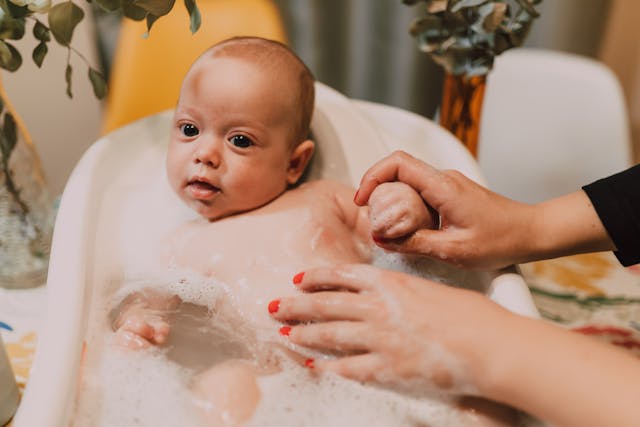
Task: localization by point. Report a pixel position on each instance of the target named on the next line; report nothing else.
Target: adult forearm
(565, 226)
(564, 378)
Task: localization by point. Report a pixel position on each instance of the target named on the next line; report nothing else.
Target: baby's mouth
(202, 190)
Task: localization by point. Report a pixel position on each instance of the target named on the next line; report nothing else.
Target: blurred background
(360, 47)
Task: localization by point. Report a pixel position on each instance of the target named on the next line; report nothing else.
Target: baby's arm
(396, 210)
(141, 319)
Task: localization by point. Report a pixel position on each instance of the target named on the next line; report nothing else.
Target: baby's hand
(139, 326)
(397, 210)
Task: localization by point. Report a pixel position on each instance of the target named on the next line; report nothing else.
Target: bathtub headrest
(346, 143)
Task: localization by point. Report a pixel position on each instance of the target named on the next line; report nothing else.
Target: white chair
(551, 122)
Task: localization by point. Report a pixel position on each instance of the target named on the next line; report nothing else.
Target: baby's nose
(208, 153)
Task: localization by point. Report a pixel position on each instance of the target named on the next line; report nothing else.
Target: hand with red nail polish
(412, 334)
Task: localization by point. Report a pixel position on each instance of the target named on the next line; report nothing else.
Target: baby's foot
(227, 394)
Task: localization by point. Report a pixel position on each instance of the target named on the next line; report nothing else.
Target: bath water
(153, 387)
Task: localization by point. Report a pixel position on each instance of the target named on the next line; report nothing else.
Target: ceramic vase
(461, 107)
(26, 211)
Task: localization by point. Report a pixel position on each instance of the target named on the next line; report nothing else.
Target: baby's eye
(241, 141)
(189, 130)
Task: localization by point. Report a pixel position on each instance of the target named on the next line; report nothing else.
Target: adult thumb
(426, 242)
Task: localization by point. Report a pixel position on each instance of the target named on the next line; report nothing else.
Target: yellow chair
(147, 73)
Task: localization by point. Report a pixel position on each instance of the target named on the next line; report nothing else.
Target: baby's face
(230, 141)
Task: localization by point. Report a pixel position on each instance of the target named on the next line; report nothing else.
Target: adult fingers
(323, 306)
(351, 277)
(431, 243)
(339, 336)
(400, 166)
(361, 367)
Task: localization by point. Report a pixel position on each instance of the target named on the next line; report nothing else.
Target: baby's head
(240, 132)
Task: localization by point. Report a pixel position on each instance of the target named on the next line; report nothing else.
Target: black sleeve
(616, 199)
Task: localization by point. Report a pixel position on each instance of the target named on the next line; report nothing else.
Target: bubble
(153, 387)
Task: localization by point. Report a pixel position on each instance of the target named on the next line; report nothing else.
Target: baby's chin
(218, 215)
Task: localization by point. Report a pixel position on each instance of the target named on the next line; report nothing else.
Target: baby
(239, 145)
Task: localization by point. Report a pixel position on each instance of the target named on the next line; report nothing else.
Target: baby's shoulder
(335, 194)
(328, 186)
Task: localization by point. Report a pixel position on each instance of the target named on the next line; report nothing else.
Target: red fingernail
(274, 306)
(309, 363)
(355, 196)
(297, 279)
(285, 331)
(380, 240)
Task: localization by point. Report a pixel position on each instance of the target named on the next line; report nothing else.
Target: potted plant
(26, 219)
(464, 37)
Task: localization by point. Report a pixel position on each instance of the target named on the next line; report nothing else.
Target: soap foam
(151, 387)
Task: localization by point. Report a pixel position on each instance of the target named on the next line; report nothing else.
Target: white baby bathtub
(351, 136)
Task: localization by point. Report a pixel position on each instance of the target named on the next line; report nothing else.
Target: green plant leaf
(39, 53)
(151, 19)
(63, 19)
(109, 5)
(12, 60)
(41, 32)
(527, 6)
(98, 82)
(155, 7)
(67, 76)
(5, 52)
(10, 135)
(12, 29)
(132, 11)
(194, 15)
(460, 4)
(17, 12)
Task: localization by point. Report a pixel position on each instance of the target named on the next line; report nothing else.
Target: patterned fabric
(591, 294)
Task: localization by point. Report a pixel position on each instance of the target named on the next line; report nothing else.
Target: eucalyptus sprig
(464, 36)
(61, 22)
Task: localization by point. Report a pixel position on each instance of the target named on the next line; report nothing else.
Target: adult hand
(394, 329)
(410, 333)
(478, 228)
(481, 229)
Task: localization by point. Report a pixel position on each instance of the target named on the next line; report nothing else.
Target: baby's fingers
(138, 325)
(154, 329)
(128, 339)
(160, 330)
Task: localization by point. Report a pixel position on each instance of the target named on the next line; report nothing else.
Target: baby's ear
(299, 160)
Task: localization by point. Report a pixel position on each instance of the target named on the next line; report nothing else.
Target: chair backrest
(147, 73)
(551, 122)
